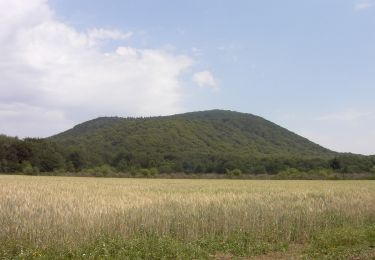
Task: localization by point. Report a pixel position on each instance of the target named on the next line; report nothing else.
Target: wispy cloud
(364, 5)
(98, 34)
(206, 79)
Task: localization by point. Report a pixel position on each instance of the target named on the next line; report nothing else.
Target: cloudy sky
(306, 65)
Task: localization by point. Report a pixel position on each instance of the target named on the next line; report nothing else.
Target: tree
(77, 159)
(27, 168)
(335, 164)
(145, 172)
(235, 172)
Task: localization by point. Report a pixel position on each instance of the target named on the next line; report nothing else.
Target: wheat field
(40, 216)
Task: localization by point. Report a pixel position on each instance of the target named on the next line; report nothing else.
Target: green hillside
(208, 140)
(214, 131)
(213, 141)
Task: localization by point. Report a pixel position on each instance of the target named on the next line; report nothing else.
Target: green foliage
(343, 243)
(133, 171)
(166, 167)
(145, 172)
(338, 243)
(70, 167)
(233, 173)
(291, 173)
(353, 163)
(149, 245)
(201, 142)
(36, 170)
(325, 174)
(335, 164)
(154, 171)
(27, 168)
(316, 174)
(39, 153)
(258, 169)
(76, 160)
(101, 171)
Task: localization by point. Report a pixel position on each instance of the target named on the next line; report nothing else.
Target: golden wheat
(51, 211)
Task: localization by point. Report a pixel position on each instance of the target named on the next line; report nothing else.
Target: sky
(308, 66)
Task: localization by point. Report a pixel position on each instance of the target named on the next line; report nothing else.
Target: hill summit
(198, 141)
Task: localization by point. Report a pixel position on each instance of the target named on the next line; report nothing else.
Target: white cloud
(364, 4)
(56, 76)
(205, 79)
(96, 35)
(127, 51)
(102, 34)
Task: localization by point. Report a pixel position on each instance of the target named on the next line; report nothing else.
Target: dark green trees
(29, 155)
(201, 142)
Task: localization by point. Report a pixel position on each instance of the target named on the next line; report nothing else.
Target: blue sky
(306, 65)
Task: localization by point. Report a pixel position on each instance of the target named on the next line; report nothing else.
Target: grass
(95, 218)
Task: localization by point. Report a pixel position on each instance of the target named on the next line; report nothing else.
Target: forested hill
(198, 141)
(213, 141)
(207, 132)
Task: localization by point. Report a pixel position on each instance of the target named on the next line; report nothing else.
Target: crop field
(96, 218)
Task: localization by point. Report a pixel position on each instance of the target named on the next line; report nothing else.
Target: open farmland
(63, 217)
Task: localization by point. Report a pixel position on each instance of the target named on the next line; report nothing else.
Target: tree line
(33, 156)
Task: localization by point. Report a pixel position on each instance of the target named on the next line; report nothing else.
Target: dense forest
(200, 142)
